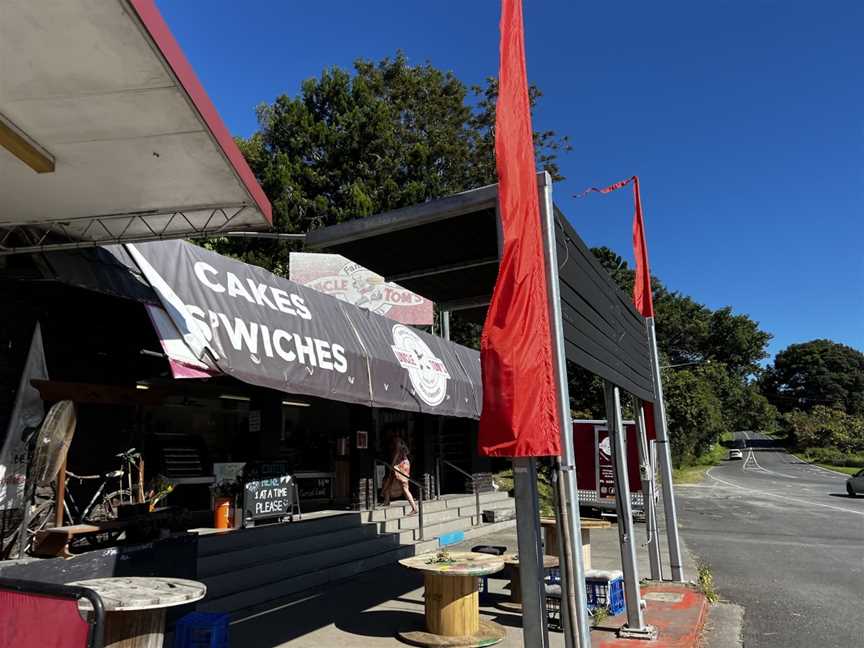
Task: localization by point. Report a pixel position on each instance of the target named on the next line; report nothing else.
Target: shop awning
(106, 134)
(447, 251)
(217, 315)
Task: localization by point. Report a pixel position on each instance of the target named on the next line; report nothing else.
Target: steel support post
(646, 472)
(635, 627)
(534, 631)
(445, 324)
(664, 456)
(572, 570)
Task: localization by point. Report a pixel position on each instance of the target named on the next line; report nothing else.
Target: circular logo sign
(428, 374)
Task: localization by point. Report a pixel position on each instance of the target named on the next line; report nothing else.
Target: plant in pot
(224, 496)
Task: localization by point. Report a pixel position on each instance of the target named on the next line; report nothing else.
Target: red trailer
(594, 468)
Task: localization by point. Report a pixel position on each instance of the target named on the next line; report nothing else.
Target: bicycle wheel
(41, 517)
(106, 508)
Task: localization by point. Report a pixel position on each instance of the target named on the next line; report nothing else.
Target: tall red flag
(520, 417)
(642, 296)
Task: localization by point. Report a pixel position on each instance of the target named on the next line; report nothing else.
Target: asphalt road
(785, 541)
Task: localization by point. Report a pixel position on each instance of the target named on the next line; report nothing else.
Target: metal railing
(417, 484)
(474, 485)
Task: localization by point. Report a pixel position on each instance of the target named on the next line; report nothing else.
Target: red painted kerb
(156, 26)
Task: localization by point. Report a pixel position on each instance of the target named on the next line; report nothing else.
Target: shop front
(312, 393)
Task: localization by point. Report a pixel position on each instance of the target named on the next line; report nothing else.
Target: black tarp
(265, 330)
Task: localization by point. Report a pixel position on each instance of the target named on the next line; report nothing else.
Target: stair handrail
(474, 484)
(419, 486)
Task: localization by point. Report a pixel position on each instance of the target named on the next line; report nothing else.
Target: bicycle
(101, 507)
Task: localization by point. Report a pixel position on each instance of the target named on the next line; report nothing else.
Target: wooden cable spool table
(550, 527)
(512, 560)
(135, 607)
(452, 603)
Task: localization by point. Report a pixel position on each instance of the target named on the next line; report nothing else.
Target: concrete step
(243, 557)
(261, 574)
(413, 521)
(494, 506)
(238, 600)
(309, 525)
(400, 508)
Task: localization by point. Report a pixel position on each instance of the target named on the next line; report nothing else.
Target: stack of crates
(202, 630)
(605, 590)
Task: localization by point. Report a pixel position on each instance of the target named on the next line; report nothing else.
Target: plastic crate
(606, 593)
(597, 591)
(202, 630)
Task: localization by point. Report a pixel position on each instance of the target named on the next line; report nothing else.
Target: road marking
(783, 497)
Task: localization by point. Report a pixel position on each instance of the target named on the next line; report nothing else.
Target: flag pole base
(648, 633)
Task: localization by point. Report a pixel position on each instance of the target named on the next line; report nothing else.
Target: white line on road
(783, 497)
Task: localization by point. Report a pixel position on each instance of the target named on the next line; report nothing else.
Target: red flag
(520, 414)
(642, 296)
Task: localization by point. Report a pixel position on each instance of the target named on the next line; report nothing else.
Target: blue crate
(597, 591)
(606, 593)
(452, 538)
(202, 630)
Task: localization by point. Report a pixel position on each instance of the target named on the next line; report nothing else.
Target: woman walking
(396, 482)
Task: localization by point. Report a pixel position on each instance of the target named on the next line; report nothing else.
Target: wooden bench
(55, 541)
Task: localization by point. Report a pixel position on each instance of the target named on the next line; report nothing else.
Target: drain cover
(666, 597)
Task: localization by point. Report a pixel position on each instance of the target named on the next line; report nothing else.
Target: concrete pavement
(367, 611)
(784, 541)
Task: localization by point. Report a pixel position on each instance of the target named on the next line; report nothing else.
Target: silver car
(855, 484)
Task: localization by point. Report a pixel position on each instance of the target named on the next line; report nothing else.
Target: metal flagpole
(572, 570)
(636, 627)
(665, 460)
(534, 630)
(646, 472)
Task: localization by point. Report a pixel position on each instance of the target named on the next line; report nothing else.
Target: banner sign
(27, 414)
(594, 463)
(334, 275)
(248, 323)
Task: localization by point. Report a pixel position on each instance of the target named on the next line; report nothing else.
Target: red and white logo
(428, 374)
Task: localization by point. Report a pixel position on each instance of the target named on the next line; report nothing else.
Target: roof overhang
(106, 134)
(447, 251)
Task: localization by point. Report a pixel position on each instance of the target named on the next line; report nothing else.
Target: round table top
(461, 563)
(128, 593)
(548, 561)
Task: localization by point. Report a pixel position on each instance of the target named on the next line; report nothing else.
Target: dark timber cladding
(603, 331)
(447, 250)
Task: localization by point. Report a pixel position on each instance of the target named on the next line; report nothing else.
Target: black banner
(265, 330)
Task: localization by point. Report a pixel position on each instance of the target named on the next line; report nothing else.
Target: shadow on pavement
(348, 606)
(381, 623)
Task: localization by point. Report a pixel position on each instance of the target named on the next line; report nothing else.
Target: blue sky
(744, 121)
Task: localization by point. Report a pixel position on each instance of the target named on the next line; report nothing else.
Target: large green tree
(386, 135)
(819, 372)
(712, 357)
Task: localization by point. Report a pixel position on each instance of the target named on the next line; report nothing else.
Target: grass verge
(846, 470)
(696, 473)
(706, 582)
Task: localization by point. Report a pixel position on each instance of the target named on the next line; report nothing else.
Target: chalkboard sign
(314, 485)
(269, 492)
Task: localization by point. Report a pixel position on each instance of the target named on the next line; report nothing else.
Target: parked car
(734, 453)
(855, 484)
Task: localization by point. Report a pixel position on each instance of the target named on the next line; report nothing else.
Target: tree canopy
(386, 135)
(819, 372)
